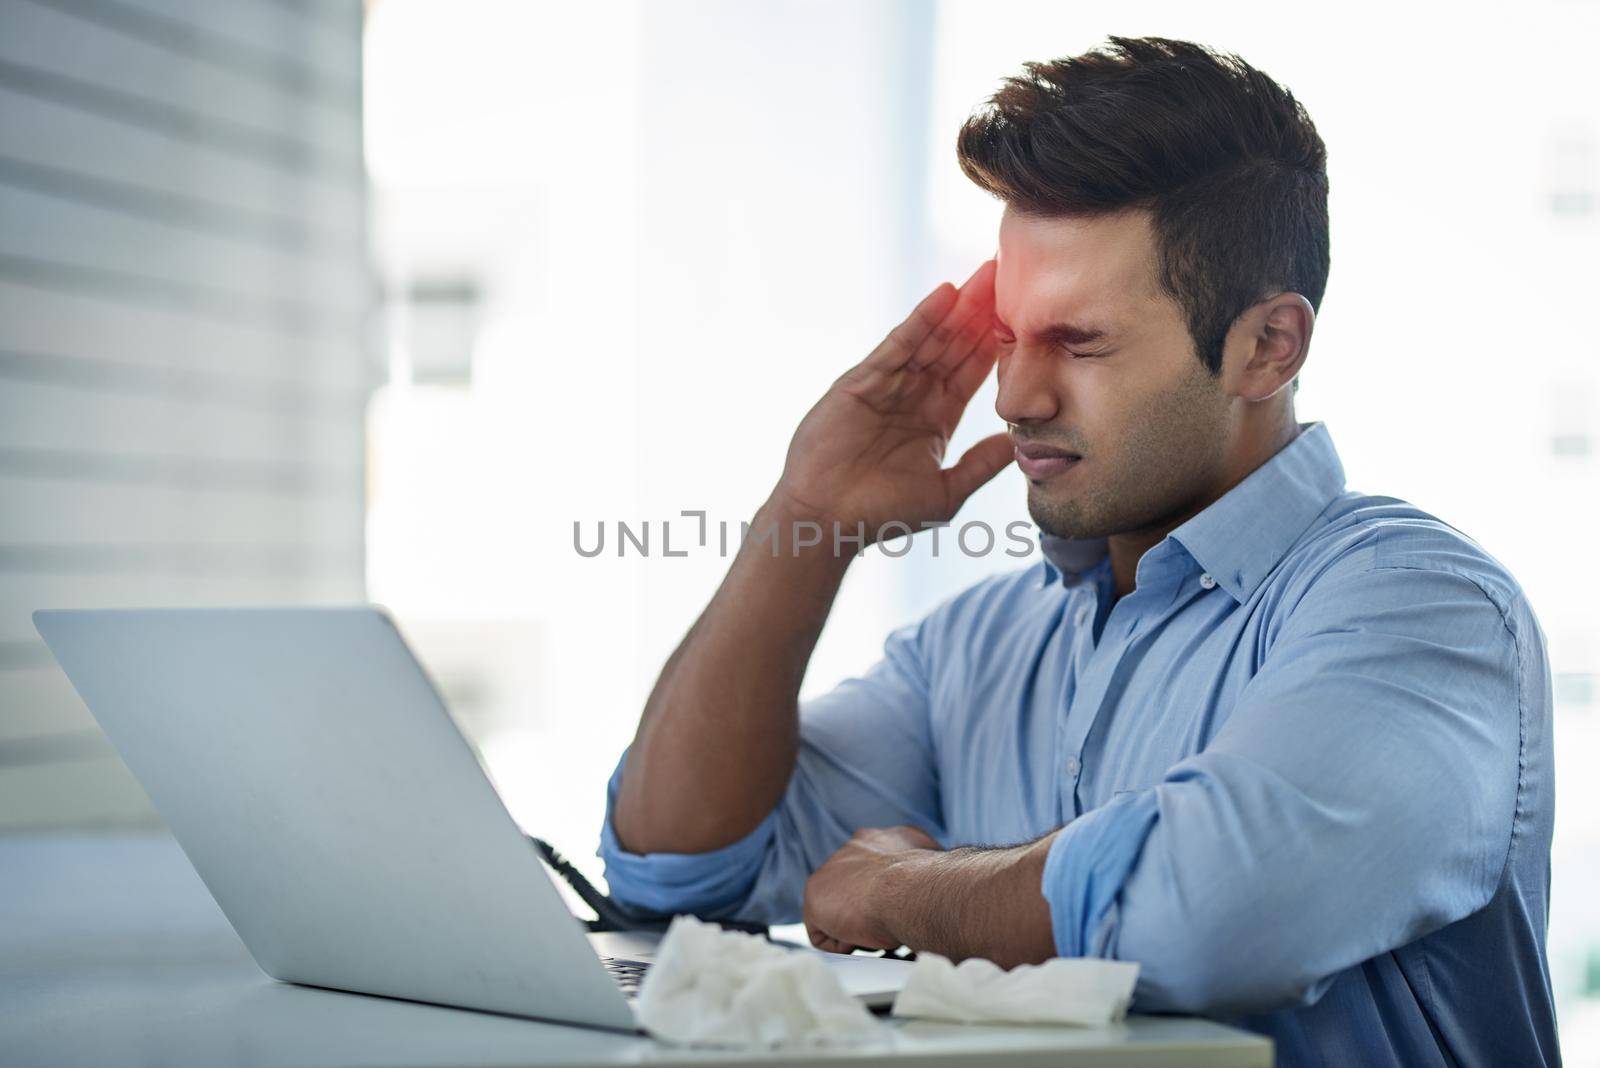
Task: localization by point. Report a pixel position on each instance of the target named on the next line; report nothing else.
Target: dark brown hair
(1225, 159)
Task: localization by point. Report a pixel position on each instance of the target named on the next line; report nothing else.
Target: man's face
(1102, 367)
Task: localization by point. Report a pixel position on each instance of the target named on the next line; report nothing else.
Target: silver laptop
(319, 786)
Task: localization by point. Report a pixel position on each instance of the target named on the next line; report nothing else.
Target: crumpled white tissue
(712, 987)
(1087, 991)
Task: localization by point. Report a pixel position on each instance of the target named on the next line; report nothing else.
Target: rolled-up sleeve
(1361, 794)
(865, 760)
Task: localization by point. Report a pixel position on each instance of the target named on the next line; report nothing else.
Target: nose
(1027, 387)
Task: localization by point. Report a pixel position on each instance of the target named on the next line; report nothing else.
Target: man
(1284, 744)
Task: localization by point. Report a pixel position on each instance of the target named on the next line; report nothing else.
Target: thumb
(977, 465)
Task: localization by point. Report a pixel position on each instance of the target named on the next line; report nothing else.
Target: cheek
(1104, 404)
(1171, 425)
(1125, 418)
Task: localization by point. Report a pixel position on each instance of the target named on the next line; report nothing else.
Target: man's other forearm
(971, 903)
(716, 744)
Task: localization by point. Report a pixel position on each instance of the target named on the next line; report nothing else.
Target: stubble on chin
(1167, 452)
(1067, 518)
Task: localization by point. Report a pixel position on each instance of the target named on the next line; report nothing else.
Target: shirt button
(1072, 766)
(1207, 582)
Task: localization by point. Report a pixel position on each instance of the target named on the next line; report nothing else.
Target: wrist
(782, 507)
(785, 527)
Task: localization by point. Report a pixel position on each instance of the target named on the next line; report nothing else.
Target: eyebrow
(1062, 333)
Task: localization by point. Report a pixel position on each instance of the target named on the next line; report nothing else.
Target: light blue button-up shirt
(1302, 771)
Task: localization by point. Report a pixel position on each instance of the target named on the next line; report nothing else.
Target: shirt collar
(1070, 559)
(1242, 535)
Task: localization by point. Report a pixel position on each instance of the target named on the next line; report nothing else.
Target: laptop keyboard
(627, 973)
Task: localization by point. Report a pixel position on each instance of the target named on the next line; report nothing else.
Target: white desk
(112, 952)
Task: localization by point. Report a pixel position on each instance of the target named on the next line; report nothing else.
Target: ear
(1267, 345)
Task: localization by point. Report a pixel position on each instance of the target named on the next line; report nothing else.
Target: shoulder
(1368, 552)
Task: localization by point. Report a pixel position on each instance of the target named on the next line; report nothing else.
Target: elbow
(1243, 988)
(1220, 970)
(646, 833)
(643, 824)
(625, 826)
(636, 827)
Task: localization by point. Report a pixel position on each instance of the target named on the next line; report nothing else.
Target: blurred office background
(305, 301)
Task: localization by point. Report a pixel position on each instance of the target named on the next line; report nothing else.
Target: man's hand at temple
(869, 455)
(894, 886)
(871, 451)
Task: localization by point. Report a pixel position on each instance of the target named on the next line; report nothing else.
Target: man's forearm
(716, 744)
(970, 902)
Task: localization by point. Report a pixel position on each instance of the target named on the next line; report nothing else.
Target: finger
(977, 465)
(977, 329)
(893, 352)
(827, 943)
(978, 321)
(964, 381)
(975, 292)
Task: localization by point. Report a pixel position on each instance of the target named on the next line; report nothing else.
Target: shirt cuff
(1087, 864)
(711, 885)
